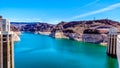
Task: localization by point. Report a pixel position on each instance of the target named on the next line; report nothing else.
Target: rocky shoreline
(84, 38)
(16, 36)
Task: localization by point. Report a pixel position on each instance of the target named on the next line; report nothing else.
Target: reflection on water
(40, 51)
(110, 63)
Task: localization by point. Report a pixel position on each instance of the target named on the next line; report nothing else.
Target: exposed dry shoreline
(16, 36)
(61, 35)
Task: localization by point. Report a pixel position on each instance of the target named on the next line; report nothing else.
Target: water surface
(41, 51)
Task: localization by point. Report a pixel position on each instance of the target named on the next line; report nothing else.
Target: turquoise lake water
(40, 51)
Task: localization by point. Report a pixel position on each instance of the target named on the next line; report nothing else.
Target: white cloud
(91, 3)
(111, 7)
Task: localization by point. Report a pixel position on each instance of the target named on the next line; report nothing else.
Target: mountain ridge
(74, 30)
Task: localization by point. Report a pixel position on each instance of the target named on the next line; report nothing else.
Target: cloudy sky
(54, 11)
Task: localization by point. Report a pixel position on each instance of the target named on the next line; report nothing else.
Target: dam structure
(6, 44)
(109, 39)
(112, 43)
(118, 49)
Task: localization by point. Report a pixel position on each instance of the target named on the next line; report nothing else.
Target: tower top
(0, 16)
(113, 30)
(5, 25)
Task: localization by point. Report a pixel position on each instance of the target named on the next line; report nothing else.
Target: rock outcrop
(94, 36)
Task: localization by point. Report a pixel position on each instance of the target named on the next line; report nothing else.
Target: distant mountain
(35, 27)
(13, 28)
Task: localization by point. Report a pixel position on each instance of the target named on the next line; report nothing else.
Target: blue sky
(54, 11)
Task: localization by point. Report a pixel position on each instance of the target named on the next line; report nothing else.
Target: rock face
(65, 30)
(94, 36)
(38, 27)
(88, 31)
(57, 31)
(94, 31)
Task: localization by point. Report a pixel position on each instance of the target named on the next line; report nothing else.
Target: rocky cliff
(94, 31)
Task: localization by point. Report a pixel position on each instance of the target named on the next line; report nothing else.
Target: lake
(41, 51)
